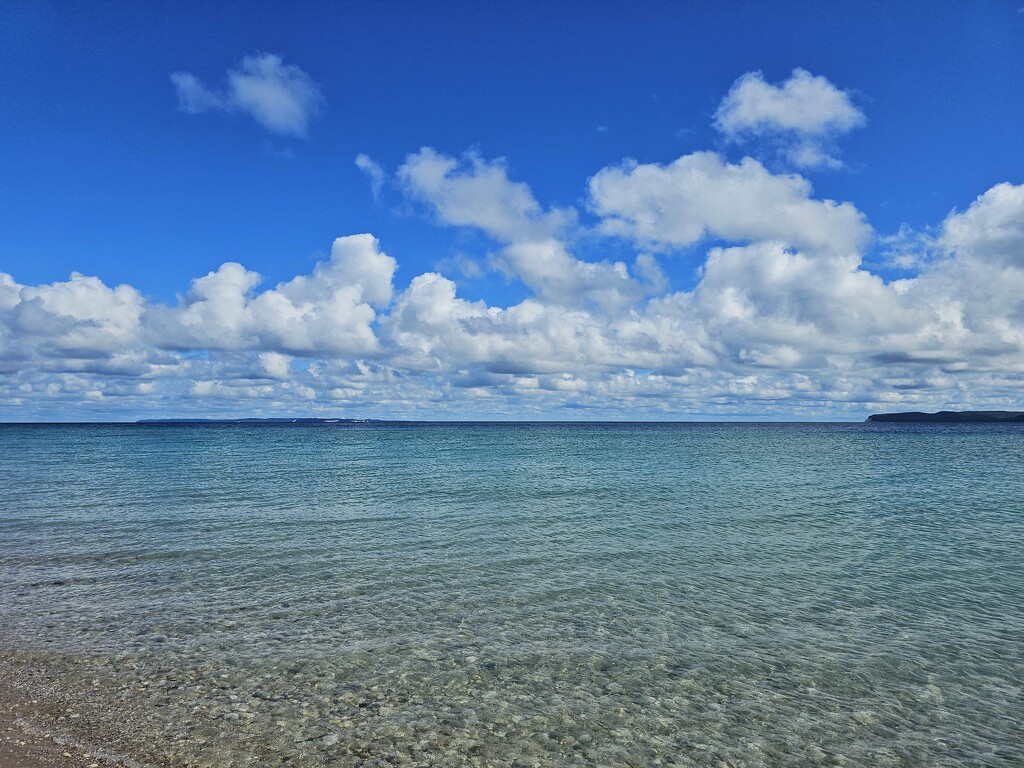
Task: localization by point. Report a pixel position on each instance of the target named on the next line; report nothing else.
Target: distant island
(953, 417)
(255, 421)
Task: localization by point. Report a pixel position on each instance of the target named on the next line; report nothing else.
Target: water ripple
(692, 595)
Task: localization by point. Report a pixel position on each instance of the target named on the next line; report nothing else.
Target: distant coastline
(952, 417)
(947, 417)
(256, 421)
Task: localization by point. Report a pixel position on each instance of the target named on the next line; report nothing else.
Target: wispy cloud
(378, 176)
(280, 97)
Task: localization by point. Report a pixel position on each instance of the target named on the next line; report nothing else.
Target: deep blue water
(529, 594)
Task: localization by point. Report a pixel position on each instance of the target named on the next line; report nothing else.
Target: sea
(517, 594)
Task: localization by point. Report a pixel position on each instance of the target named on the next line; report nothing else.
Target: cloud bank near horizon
(785, 318)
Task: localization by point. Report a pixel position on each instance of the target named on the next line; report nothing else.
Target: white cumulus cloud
(80, 317)
(804, 114)
(474, 192)
(700, 195)
(478, 193)
(991, 228)
(330, 311)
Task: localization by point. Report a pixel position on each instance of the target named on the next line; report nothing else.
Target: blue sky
(554, 127)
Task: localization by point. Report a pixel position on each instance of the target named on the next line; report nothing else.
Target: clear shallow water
(745, 595)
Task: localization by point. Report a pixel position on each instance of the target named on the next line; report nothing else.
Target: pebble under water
(519, 594)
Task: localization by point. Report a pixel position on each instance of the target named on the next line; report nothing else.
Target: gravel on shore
(30, 732)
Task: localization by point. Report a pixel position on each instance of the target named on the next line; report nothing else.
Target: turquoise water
(528, 595)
